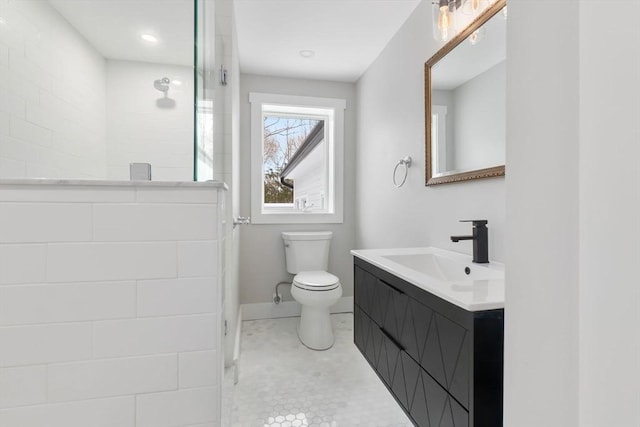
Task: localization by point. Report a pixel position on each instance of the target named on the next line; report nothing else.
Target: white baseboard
(266, 310)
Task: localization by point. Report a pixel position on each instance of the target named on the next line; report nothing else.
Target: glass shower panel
(205, 78)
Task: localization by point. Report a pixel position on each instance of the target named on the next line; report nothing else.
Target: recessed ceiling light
(149, 38)
(307, 53)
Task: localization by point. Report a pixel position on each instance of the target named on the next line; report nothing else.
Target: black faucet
(480, 239)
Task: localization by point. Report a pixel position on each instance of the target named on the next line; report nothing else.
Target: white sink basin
(445, 268)
(449, 275)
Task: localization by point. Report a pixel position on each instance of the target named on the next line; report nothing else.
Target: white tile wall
(23, 263)
(153, 222)
(114, 412)
(110, 306)
(154, 335)
(29, 345)
(22, 223)
(177, 296)
(177, 408)
(54, 92)
(110, 261)
(198, 369)
(50, 303)
(193, 256)
(112, 377)
(140, 129)
(23, 386)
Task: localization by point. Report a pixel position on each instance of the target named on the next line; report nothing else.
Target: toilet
(307, 256)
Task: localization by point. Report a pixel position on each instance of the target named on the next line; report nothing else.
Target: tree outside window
(282, 137)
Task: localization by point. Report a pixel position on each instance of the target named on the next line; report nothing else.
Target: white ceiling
(113, 28)
(346, 35)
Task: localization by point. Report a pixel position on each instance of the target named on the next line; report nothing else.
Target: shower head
(162, 84)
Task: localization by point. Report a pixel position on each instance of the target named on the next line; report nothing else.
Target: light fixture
(149, 38)
(452, 16)
(307, 53)
(475, 37)
(176, 82)
(444, 19)
(2, 21)
(474, 7)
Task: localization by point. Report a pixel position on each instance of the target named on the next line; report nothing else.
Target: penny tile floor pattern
(282, 383)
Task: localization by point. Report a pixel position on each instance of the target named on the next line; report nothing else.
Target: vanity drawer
(431, 405)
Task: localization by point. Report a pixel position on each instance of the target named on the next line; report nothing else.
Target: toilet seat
(316, 281)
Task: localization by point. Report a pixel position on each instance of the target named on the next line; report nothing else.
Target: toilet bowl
(316, 291)
(307, 255)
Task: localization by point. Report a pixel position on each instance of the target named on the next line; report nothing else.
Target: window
(296, 159)
(439, 139)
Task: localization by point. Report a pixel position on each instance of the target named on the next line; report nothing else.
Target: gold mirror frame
(446, 49)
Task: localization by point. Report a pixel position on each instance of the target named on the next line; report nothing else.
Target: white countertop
(107, 183)
(471, 295)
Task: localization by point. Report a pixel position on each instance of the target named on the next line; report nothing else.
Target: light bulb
(444, 22)
(473, 38)
(475, 5)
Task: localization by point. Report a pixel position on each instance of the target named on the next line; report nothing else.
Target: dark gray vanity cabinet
(443, 364)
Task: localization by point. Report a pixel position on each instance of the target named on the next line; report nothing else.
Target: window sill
(297, 218)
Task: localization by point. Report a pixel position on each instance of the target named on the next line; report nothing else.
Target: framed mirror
(465, 102)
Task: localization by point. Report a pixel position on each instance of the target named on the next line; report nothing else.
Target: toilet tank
(306, 250)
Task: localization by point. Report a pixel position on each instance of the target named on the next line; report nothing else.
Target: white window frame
(439, 138)
(334, 129)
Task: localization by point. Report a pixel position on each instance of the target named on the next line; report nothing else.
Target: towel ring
(406, 162)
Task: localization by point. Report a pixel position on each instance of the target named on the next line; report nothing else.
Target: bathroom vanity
(430, 323)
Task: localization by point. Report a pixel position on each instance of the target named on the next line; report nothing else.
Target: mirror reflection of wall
(474, 118)
(77, 95)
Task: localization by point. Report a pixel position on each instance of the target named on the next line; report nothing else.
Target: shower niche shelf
(443, 364)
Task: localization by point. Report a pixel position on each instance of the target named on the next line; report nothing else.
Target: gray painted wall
(262, 263)
(390, 126)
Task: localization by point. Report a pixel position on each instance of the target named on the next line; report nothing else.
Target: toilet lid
(316, 280)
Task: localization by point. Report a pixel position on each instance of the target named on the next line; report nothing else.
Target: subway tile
(115, 412)
(199, 369)
(179, 195)
(23, 264)
(50, 303)
(177, 296)
(48, 119)
(118, 338)
(66, 193)
(111, 261)
(197, 259)
(23, 386)
(112, 377)
(177, 408)
(30, 345)
(29, 132)
(37, 222)
(12, 168)
(12, 104)
(149, 222)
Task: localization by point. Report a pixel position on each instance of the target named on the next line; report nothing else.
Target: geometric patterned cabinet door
(443, 364)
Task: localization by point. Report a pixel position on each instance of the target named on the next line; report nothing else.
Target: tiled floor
(284, 384)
